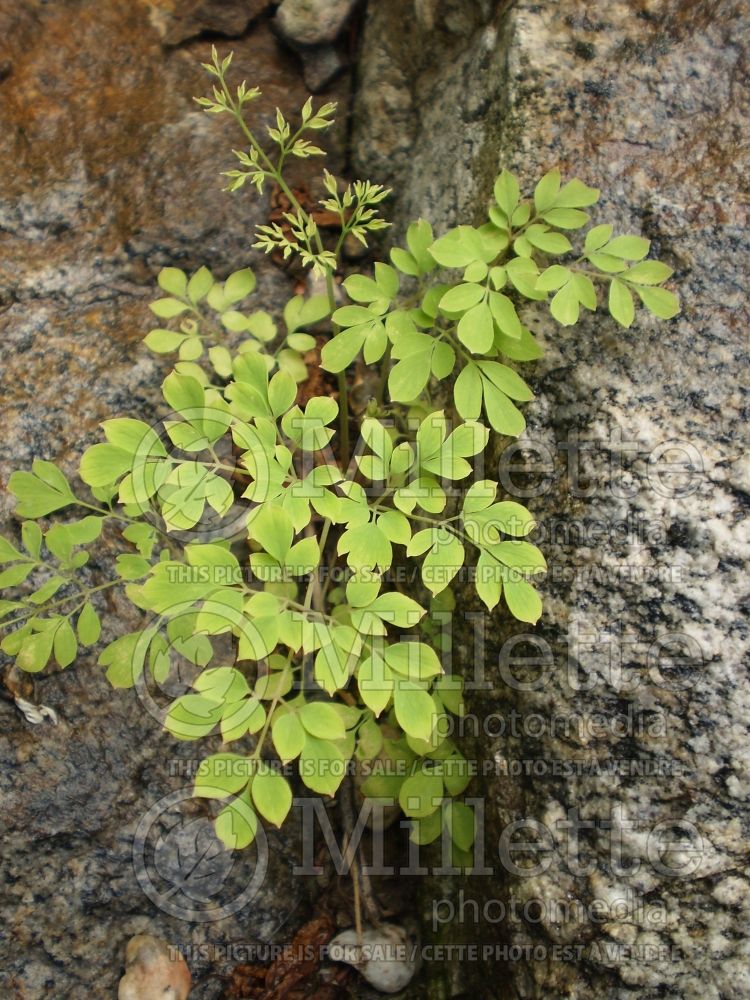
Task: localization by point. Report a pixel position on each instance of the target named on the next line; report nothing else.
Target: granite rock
(111, 172)
(620, 724)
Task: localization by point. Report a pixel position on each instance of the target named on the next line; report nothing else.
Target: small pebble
(388, 958)
(153, 971)
(313, 22)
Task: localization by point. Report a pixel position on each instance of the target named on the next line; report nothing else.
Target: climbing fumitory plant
(262, 510)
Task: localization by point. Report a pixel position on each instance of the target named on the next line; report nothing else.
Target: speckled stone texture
(109, 173)
(635, 713)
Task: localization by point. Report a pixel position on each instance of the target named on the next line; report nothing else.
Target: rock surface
(313, 22)
(634, 728)
(111, 172)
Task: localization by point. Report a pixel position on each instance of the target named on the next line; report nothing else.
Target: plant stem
(294, 203)
(311, 587)
(62, 600)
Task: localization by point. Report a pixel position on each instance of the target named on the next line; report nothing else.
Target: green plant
(327, 671)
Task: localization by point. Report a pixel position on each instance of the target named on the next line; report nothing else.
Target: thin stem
(311, 587)
(85, 594)
(264, 732)
(276, 174)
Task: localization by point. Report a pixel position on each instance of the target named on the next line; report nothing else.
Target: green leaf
(274, 530)
(504, 313)
(143, 536)
(659, 301)
(507, 193)
(104, 464)
(282, 391)
(404, 262)
(88, 627)
(546, 191)
(628, 247)
(164, 341)
(353, 316)
(321, 719)
(503, 416)
(565, 306)
(41, 491)
(415, 710)
(553, 277)
(519, 555)
(8, 553)
(476, 329)
(322, 765)
(47, 590)
(523, 349)
(409, 376)
(585, 291)
(462, 297)
(132, 567)
(167, 308)
(523, 601)
(427, 829)
(361, 289)
(458, 248)
(288, 736)
(606, 262)
(489, 581)
(506, 380)
(239, 284)
(14, 575)
(31, 534)
(200, 284)
(222, 683)
(222, 774)
(413, 659)
(375, 683)
(65, 644)
(548, 242)
(566, 218)
(272, 795)
(397, 609)
(237, 824)
(443, 561)
(133, 436)
(386, 278)
(467, 392)
(576, 194)
(421, 794)
(242, 717)
(339, 352)
(598, 237)
(523, 274)
(459, 819)
(648, 272)
(36, 651)
(124, 659)
(621, 303)
(419, 239)
(173, 281)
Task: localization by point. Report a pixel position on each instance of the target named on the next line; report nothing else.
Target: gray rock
(636, 724)
(313, 22)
